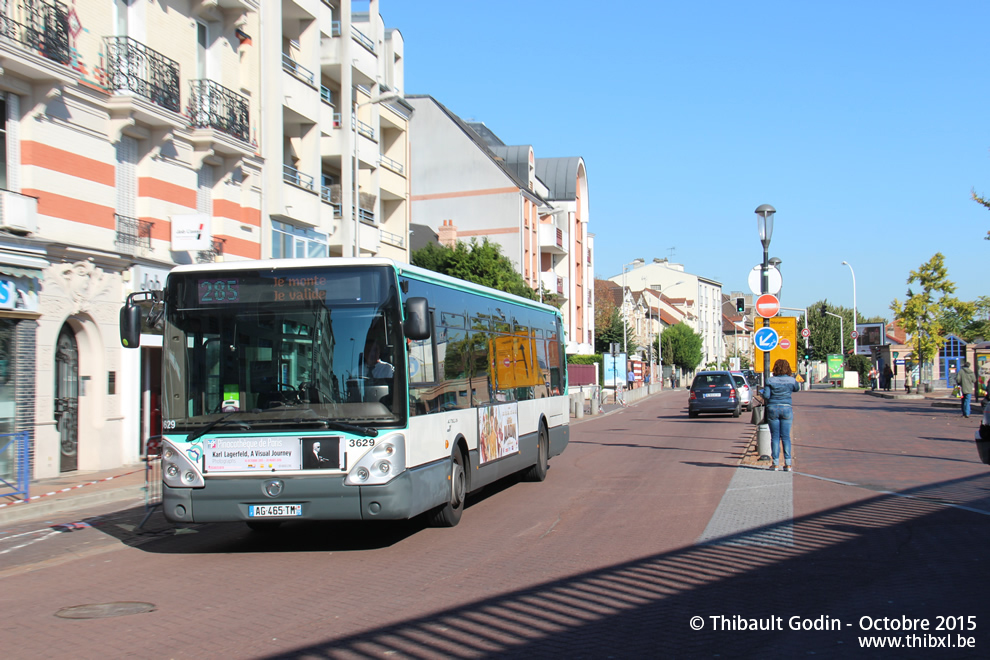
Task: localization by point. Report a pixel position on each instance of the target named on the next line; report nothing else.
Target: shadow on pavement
(884, 557)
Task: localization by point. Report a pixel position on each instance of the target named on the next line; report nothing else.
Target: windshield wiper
(366, 431)
(206, 428)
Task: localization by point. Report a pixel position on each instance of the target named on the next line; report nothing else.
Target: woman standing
(777, 394)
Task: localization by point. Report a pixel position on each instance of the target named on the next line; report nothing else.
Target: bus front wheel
(449, 514)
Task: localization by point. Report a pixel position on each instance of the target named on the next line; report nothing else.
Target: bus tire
(449, 514)
(264, 526)
(538, 472)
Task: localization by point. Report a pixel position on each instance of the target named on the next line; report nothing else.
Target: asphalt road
(648, 539)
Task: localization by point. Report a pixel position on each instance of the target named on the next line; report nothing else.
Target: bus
(347, 389)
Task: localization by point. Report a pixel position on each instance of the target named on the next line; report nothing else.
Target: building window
(290, 242)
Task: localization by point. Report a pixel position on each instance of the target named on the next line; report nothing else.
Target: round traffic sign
(854, 334)
(805, 332)
(767, 305)
(766, 338)
(785, 343)
(755, 278)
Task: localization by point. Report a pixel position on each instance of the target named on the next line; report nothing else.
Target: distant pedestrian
(777, 394)
(888, 377)
(966, 380)
(873, 378)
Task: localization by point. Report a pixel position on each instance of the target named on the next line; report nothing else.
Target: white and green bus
(347, 389)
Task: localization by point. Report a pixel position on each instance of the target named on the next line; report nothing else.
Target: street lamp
(764, 223)
(855, 340)
(387, 96)
(775, 263)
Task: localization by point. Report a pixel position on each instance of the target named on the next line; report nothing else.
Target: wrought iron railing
(133, 67)
(209, 256)
(43, 28)
(132, 232)
(214, 106)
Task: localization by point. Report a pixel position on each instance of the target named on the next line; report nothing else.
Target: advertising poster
(498, 433)
(835, 367)
(245, 454)
(870, 335)
(615, 369)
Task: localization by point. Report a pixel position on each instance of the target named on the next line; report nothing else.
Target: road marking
(929, 500)
(756, 509)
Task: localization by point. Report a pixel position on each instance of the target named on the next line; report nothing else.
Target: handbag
(759, 414)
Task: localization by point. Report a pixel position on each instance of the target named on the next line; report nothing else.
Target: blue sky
(865, 124)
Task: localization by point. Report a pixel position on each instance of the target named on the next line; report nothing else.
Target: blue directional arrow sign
(766, 339)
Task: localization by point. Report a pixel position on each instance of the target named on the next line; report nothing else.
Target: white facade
(699, 299)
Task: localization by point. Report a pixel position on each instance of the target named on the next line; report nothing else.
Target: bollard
(594, 402)
(579, 406)
(763, 441)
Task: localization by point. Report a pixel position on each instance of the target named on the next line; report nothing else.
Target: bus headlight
(384, 462)
(178, 470)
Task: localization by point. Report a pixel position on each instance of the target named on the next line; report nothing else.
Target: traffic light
(740, 305)
(824, 310)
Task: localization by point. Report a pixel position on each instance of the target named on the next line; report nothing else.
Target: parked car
(752, 378)
(713, 391)
(744, 390)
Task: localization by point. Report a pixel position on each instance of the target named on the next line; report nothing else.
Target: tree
(925, 313)
(824, 329)
(612, 332)
(681, 346)
(482, 263)
(986, 203)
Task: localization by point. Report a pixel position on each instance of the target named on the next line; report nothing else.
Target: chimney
(447, 235)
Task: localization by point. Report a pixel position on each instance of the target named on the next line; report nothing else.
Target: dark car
(713, 392)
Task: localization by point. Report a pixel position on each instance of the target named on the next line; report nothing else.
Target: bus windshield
(281, 349)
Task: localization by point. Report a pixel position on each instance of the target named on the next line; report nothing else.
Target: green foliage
(681, 346)
(479, 263)
(612, 331)
(929, 313)
(825, 339)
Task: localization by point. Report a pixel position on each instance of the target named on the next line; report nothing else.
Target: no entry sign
(767, 305)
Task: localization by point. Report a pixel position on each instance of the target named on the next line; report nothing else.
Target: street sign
(786, 328)
(854, 334)
(773, 279)
(767, 305)
(805, 332)
(766, 339)
(785, 343)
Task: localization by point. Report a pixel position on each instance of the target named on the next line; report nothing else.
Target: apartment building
(699, 299)
(335, 132)
(468, 182)
(140, 135)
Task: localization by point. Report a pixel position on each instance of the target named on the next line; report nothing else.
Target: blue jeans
(965, 404)
(779, 418)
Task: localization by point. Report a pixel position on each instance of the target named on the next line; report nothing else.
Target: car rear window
(711, 380)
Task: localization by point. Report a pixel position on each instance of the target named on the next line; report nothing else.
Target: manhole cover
(104, 610)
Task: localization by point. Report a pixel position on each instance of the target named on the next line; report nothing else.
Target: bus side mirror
(130, 325)
(417, 324)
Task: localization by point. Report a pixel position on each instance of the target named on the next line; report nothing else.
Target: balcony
(553, 239)
(132, 234)
(215, 253)
(34, 40)
(554, 284)
(219, 119)
(133, 67)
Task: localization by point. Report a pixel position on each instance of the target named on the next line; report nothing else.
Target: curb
(33, 509)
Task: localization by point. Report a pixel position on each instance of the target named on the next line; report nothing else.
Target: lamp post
(855, 339)
(387, 96)
(764, 223)
(775, 264)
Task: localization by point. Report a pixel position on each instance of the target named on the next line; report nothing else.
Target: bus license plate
(274, 510)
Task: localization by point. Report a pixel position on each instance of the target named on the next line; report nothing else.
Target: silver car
(743, 388)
